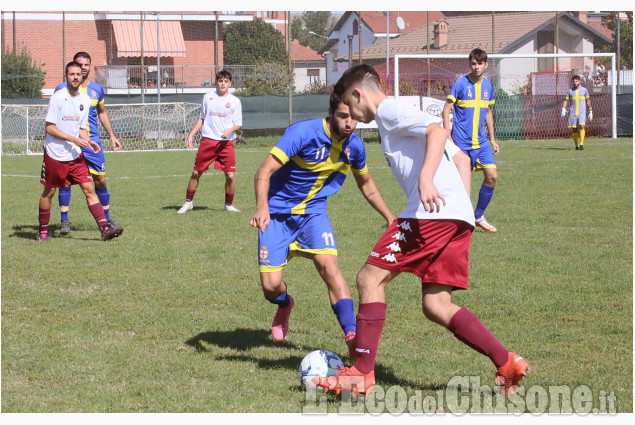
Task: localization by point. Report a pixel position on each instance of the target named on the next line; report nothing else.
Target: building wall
(44, 34)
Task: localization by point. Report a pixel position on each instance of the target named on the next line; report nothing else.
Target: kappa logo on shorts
(389, 258)
(264, 253)
(405, 225)
(399, 236)
(374, 254)
(394, 247)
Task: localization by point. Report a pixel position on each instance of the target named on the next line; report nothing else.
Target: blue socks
(281, 300)
(104, 199)
(345, 312)
(64, 199)
(484, 197)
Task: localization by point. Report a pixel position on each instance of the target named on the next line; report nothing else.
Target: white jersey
(220, 113)
(402, 129)
(69, 114)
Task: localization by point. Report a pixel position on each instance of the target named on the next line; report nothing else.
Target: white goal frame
(528, 55)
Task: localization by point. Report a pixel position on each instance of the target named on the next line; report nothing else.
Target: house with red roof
(366, 28)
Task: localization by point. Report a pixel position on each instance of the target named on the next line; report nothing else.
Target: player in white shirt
(430, 239)
(63, 162)
(220, 118)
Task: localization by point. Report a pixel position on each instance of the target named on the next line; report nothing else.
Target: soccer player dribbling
(96, 161)
(432, 235)
(220, 118)
(308, 164)
(63, 162)
(471, 97)
(579, 98)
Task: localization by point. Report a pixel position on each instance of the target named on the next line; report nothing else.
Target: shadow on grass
(28, 231)
(552, 148)
(178, 207)
(239, 339)
(244, 339)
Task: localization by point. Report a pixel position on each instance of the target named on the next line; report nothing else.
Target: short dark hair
(82, 55)
(576, 77)
(70, 65)
(223, 74)
(354, 76)
(479, 55)
(334, 101)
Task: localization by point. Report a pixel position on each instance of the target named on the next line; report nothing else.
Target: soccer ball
(318, 363)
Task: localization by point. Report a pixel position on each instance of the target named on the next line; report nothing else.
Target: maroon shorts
(437, 251)
(62, 173)
(221, 151)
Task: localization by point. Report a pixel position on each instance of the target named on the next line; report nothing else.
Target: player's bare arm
(489, 122)
(197, 127)
(225, 134)
(104, 118)
(435, 147)
(369, 189)
(447, 108)
(261, 218)
(462, 162)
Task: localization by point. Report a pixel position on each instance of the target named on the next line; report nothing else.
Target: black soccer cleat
(114, 225)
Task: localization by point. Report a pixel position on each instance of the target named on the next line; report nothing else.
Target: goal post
(529, 88)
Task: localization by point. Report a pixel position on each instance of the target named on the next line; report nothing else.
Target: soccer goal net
(529, 89)
(147, 126)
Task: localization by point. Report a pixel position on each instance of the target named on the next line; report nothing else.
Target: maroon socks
(468, 329)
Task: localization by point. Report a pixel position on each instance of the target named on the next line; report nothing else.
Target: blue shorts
(290, 235)
(96, 161)
(575, 120)
(481, 158)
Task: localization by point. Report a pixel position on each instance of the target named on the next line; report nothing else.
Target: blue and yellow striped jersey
(315, 165)
(96, 93)
(471, 101)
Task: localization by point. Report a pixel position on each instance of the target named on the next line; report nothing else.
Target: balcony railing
(172, 76)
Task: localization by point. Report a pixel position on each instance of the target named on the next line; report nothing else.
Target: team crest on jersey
(485, 94)
(264, 253)
(228, 105)
(93, 93)
(81, 107)
(348, 153)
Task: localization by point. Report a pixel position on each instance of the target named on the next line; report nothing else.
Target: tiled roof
(376, 21)
(468, 32)
(303, 53)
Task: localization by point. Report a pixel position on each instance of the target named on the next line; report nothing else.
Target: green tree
(268, 78)
(318, 22)
(626, 37)
(249, 43)
(21, 76)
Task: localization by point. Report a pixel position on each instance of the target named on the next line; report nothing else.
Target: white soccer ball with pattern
(318, 363)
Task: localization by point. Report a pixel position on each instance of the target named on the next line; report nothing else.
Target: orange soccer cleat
(348, 379)
(510, 374)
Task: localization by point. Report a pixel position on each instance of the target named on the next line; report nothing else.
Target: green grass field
(170, 317)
